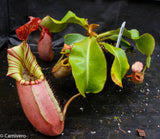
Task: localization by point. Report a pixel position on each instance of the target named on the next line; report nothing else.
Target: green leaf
(57, 26)
(126, 44)
(145, 44)
(70, 39)
(89, 66)
(123, 41)
(133, 34)
(120, 64)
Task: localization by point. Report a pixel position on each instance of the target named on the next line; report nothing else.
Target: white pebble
(148, 90)
(129, 131)
(81, 108)
(93, 132)
(62, 134)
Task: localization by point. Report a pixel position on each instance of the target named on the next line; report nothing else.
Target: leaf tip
(116, 81)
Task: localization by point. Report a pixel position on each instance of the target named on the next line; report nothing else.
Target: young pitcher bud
(66, 49)
(61, 69)
(137, 66)
(137, 76)
(45, 45)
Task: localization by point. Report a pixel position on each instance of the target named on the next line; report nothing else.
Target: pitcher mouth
(29, 79)
(23, 66)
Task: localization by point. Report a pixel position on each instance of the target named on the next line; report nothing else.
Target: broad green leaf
(57, 26)
(70, 39)
(148, 62)
(132, 34)
(145, 44)
(123, 41)
(120, 64)
(89, 66)
(126, 44)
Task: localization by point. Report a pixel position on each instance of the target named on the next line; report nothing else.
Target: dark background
(137, 106)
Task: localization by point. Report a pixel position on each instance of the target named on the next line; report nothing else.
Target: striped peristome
(23, 66)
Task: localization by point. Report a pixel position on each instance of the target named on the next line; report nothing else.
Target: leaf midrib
(87, 65)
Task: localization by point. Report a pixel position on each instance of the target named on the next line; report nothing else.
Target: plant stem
(144, 68)
(68, 102)
(104, 34)
(104, 38)
(60, 59)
